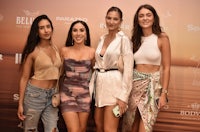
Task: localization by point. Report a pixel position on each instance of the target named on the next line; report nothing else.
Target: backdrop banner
(179, 19)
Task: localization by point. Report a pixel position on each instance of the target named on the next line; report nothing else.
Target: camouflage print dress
(74, 90)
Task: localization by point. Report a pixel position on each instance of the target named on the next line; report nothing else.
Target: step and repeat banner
(180, 19)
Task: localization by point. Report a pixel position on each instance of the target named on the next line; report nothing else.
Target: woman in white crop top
(40, 71)
(151, 49)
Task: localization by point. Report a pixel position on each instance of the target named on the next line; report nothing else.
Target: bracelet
(164, 91)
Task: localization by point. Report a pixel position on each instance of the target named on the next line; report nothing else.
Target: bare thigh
(138, 125)
(110, 121)
(71, 121)
(98, 116)
(83, 118)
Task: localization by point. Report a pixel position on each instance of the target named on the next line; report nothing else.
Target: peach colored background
(179, 18)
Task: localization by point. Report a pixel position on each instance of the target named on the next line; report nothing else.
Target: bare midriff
(45, 84)
(147, 68)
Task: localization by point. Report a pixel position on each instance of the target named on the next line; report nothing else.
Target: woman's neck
(79, 46)
(44, 43)
(147, 32)
(112, 33)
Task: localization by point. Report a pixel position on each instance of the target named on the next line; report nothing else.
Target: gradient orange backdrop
(180, 19)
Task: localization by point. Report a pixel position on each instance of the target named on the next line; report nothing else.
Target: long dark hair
(113, 8)
(33, 37)
(69, 41)
(137, 30)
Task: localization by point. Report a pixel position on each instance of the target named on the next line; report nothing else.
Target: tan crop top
(149, 52)
(44, 68)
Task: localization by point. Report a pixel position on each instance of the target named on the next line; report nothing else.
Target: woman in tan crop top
(40, 71)
(151, 48)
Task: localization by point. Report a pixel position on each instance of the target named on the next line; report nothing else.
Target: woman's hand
(122, 106)
(162, 100)
(20, 114)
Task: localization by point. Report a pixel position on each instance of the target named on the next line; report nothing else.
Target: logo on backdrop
(15, 97)
(69, 20)
(18, 57)
(193, 28)
(166, 16)
(26, 20)
(123, 26)
(1, 57)
(192, 113)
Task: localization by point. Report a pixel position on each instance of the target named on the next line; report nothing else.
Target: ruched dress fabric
(74, 90)
(112, 85)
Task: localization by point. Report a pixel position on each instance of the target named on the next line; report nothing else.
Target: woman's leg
(71, 121)
(50, 118)
(136, 122)
(110, 121)
(99, 118)
(138, 125)
(34, 104)
(141, 127)
(31, 121)
(83, 118)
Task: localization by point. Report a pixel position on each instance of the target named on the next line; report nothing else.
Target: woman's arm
(26, 72)
(166, 63)
(128, 70)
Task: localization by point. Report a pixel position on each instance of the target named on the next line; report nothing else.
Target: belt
(105, 70)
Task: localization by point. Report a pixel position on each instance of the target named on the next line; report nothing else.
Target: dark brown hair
(113, 8)
(137, 30)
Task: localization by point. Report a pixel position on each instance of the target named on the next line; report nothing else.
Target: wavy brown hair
(137, 30)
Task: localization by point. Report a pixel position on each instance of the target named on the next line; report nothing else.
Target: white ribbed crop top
(149, 52)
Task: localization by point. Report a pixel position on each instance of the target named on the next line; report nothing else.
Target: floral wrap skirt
(146, 90)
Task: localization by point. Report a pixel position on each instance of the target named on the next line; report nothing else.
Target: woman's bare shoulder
(163, 40)
(163, 35)
(65, 49)
(91, 51)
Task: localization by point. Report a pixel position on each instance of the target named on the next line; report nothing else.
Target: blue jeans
(37, 104)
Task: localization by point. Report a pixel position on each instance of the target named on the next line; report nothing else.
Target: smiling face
(79, 33)
(145, 18)
(113, 20)
(44, 29)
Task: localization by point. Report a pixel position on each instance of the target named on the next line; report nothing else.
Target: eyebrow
(149, 13)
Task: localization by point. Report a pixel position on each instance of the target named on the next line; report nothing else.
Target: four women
(138, 92)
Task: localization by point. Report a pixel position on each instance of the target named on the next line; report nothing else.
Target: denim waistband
(39, 88)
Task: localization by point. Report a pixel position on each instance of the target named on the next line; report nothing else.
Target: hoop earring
(72, 42)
